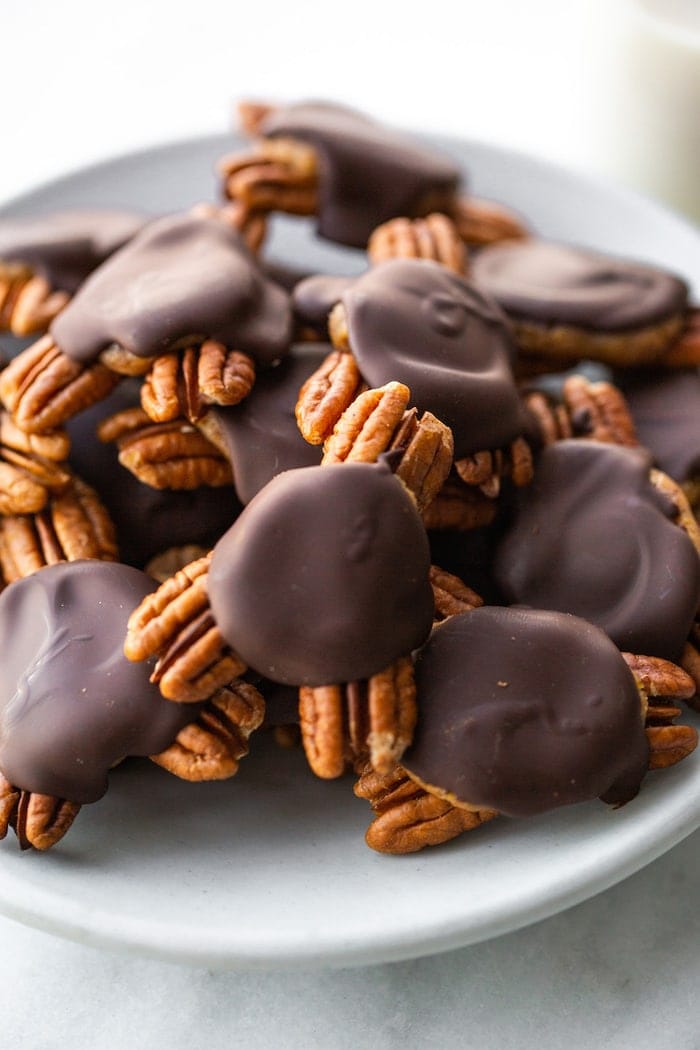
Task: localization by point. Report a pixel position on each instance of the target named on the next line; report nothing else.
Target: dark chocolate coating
(314, 298)
(368, 172)
(522, 711)
(181, 277)
(324, 577)
(147, 520)
(560, 284)
(417, 322)
(66, 246)
(261, 433)
(665, 407)
(71, 704)
(592, 536)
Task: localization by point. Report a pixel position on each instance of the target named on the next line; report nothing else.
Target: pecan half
(435, 237)
(43, 387)
(172, 455)
(211, 747)
(275, 175)
(28, 303)
(326, 394)
(370, 720)
(452, 596)
(482, 222)
(175, 625)
(39, 821)
(670, 744)
(167, 563)
(597, 411)
(427, 450)
(660, 678)
(185, 385)
(459, 508)
(486, 470)
(74, 526)
(685, 352)
(408, 817)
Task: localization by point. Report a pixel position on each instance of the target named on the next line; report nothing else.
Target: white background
(84, 80)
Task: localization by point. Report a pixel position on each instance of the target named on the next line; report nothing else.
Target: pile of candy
(305, 481)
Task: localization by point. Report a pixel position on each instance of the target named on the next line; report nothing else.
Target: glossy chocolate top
(368, 173)
(561, 284)
(183, 277)
(147, 520)
(261, 434)
(66, 246)
(593, 537)
(314, 297)
(522, 711)
(419, 323)
(324, 577)
(665, 407)
(71, 704)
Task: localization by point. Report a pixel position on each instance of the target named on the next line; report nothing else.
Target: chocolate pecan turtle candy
(416, 322)
(323, 159)
(522, 711)
(600, 536)
(73, 706)
(45, 258)
(185, 301)
(568, 303)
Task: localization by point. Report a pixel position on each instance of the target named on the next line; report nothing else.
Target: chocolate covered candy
(593, 536)
(71, 704)
(184, 278)
(416, 322)
(324, 577)
(522, 711)
(64, 247)
(368, 173)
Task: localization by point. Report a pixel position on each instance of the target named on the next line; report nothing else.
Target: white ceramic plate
(271, 869)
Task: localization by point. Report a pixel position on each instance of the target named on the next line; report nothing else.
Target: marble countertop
(620, 971)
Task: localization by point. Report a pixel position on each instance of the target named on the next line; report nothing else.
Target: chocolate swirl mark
(51, 649)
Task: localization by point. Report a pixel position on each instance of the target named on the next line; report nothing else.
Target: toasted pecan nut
(690, 662)
(408, 817)
(660, 678)
(326, 394)
(427, 450)
(435, 237)
(551, 418)
(19, 493)
(175, 624)
(598, 411)
(43, 387)
(251, 116)
(685, 518)
(459, 508)
(184, 385)
(481, 222)
(39, 821)
(28, 303)
(669, 745)
(685, 352)
(452, 596)
(165, 455)
(74, 526)
(360, 721)
(211, 747)
(123, 362)
(274, 175)
(367, 425)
